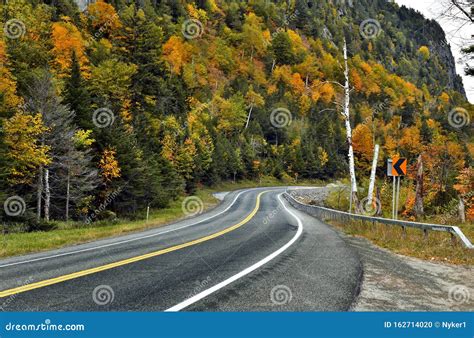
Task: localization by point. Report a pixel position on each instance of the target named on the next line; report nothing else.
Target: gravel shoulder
(394, 282)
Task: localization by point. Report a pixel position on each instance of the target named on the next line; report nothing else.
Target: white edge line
(125, 241)
(241, 274)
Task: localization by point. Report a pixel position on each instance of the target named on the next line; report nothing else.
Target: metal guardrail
(326, 213)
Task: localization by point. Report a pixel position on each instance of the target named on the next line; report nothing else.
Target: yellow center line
(86, 272)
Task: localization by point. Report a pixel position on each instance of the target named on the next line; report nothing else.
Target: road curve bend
(254, 252)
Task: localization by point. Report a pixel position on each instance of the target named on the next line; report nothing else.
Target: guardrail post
(453, 239)
(425, 234)
(404, 232)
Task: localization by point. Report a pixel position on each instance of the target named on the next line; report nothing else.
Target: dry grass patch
(438, 246)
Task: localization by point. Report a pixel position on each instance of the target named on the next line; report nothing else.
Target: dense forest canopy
(155, 98)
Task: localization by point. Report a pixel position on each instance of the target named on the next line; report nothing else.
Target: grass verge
(73, 233)
(437, 247)
(76, 233)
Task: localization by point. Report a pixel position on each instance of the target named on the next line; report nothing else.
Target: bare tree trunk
(347, 120)
(370, 195)
(47, 194)
(419, 210)
(377, 194)
(462, 211)
(39, 194)
(248, 117)
(68, 188)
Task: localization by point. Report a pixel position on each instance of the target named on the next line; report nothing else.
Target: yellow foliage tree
(109, 165)
(9, 98)
(176, 53)
(411, 141)
(424, 52)
(104, 17)
(26, 153)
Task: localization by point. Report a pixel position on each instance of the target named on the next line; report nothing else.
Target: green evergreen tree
(77, 97)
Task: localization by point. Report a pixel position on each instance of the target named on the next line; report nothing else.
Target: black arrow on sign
(397, 166)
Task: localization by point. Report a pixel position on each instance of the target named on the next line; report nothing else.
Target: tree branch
(458, 6)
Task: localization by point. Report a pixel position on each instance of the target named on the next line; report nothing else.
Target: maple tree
(67, 39)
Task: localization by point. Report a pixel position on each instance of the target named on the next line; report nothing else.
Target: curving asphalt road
(254, 252)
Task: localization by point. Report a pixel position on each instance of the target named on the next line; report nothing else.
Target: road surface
(253, 252)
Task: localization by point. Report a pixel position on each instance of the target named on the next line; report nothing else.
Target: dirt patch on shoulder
(398, 283)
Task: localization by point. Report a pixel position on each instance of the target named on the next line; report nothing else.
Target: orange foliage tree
(66, 39)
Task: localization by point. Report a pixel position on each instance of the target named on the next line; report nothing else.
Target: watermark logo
(370, 28)
(459, 294)
(192, 29)
(103, 295)
(459, 118)
(192, 206)
(14, 206)
(370, 207)
(200, 286)
(103, 117)
(272, 214)
(14, 29)
(7, 301)
(280, 118)
(281, 294)
(109, 199)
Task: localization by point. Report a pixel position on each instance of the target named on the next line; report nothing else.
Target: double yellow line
(86, 272)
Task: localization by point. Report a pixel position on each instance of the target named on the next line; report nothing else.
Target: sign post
(389, 174)
(398, 197)
(398, 168)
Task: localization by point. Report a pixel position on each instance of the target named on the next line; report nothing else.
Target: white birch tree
(345, 112)
(347, 121)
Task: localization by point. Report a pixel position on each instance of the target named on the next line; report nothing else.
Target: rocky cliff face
(82, 4)
(443, 50)
(401, 32)
(442, 65)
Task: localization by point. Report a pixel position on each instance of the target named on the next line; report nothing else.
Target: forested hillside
(134, 103)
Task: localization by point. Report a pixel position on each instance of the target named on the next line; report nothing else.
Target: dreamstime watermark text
(42, 327)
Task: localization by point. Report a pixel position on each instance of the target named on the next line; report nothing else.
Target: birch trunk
(379, 210)
(248, 117)
(47, 195)
(68, 189)
(462, 211)
(39, 194)
(370, 196)
(346, 114)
